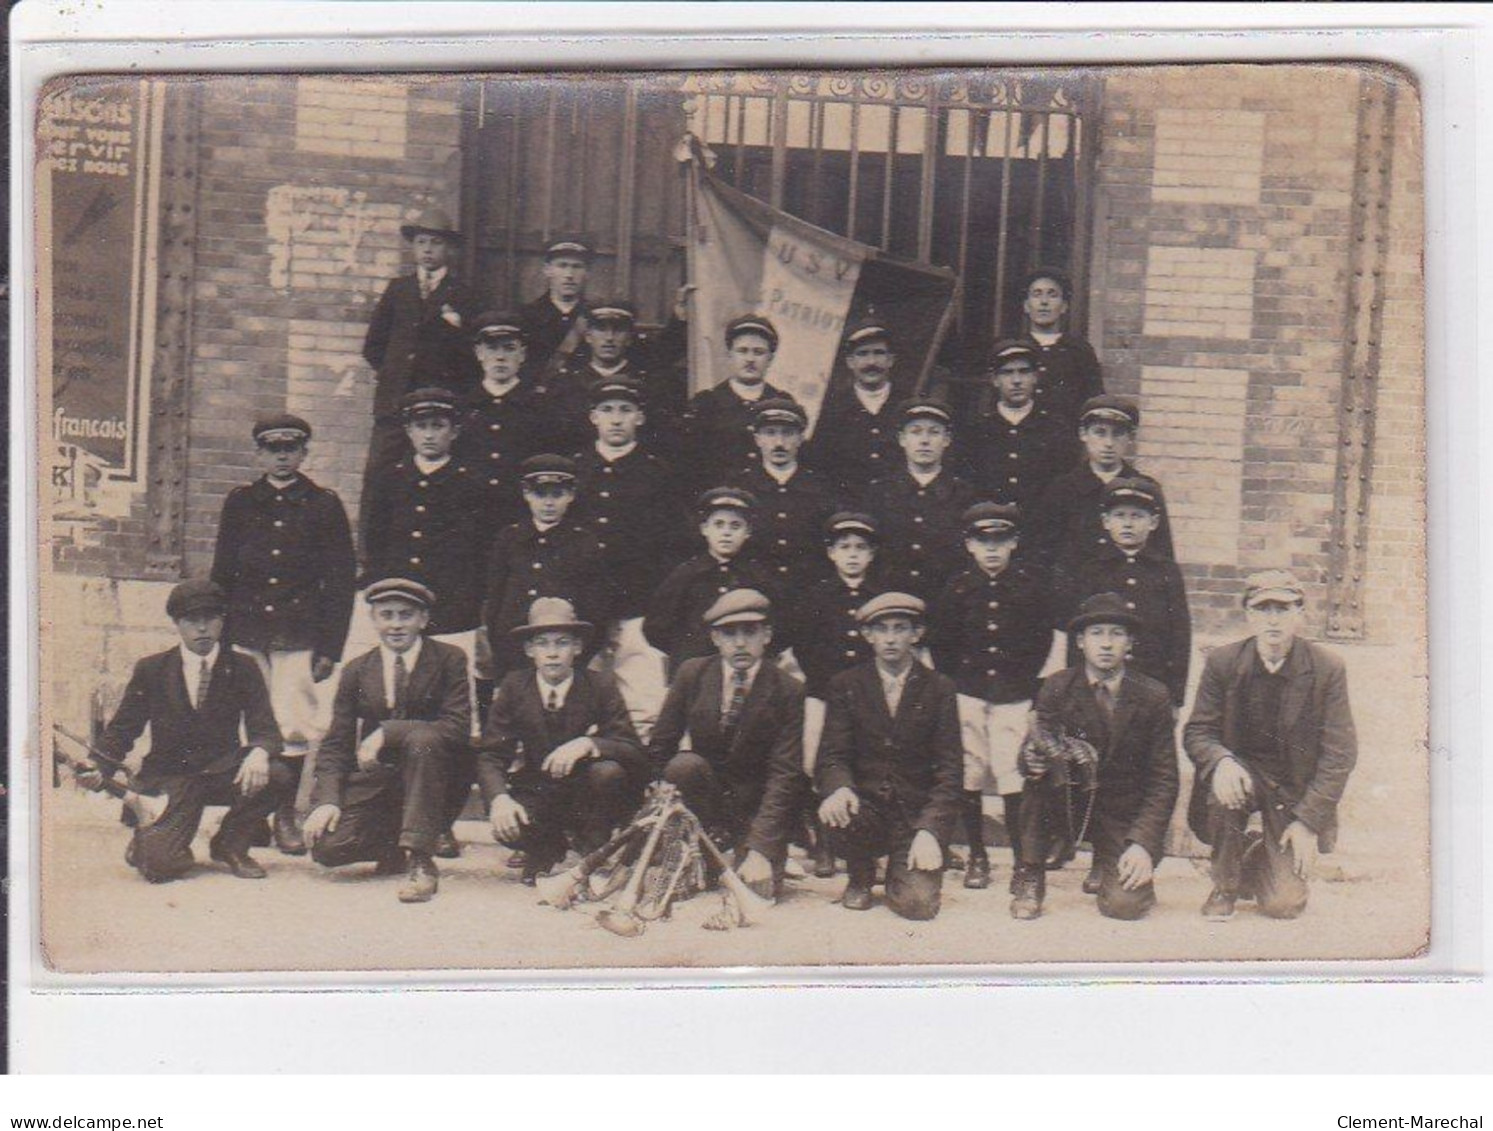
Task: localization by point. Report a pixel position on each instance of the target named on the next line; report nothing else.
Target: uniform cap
(1000, 519)
(1272, 585)
(739, 606)
(751, 324)
(1133, 490)
(726, 498)
(850, 522)
(429, 401)
(493, 325)
(616, 389)
(547, 468)
(1104, 608)
(1008, 348)
(568, 245)
(551, 614)
(612, 310)
(280, 426)
(400, 588)
(890, 604)
(867, 330)
(925, 408)
(779, 410)
(433, 221)
(196, 595)
(1109, 406)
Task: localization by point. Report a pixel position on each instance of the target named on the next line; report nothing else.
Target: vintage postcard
(678, 520)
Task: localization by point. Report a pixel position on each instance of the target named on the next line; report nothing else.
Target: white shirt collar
(1015, 415)
(564, 307)
(728, 678)
(504, 391)
(191, 666)
(873, 400)
(924, 477)
(1111, 681)
(432, 278)
(747, 392)
(1106, 476)
(1046, 337)
(608, 371)
(543, 527)
(612, 455)
(411, 658)
(561, 689)
(888, 677)
(431, 466)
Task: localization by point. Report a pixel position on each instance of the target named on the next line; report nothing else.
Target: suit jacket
(413, 341)
(184, 739)
(518, 726)
(916, 759)
(284, 556)
(437, 693)
(1137, 751)
(1321, 745)
(763, 762)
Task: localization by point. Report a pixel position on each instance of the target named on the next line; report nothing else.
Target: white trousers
(641, 672)
(992, 738)
(813, 732)
(467, 642)
(303, 707)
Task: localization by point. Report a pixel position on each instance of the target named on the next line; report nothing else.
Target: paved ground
(1371, 900)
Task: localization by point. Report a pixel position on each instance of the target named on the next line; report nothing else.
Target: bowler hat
(1104, 608)
(434, 222)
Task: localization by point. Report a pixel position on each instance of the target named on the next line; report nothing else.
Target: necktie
(733, 708)
(1106, 700)
(204, 681)
(552, 704)
(401, 685)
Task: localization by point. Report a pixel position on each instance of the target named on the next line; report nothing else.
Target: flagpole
(690, 156)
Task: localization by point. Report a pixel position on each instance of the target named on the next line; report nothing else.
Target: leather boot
(287, 827)
(422, 880)
(1030, 887)
(857, 895)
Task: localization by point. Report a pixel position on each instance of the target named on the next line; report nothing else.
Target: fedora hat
(551, 614)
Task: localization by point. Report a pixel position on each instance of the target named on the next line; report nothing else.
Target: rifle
(147, 809)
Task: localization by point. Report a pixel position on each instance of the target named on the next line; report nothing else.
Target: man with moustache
(855, 437)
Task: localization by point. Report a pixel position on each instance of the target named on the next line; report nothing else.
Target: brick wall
(1220, 298)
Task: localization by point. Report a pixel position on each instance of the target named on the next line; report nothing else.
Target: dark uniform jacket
(497, 435)
(717, 434)
(826, 638)
(1321, 745)
(1153, 590)
(664, 399)
(432, 528)
(922, 533)
(1014, 463)
(436, 694)
(183, 739)
(762, 764)
(1137, 750)
(527, 563)
(285, 558)
(1070, 376)
(914, 761)
(545, 328)
(991, 635)
(788, 525)
(852, 446)
(673, 624)
(632, 507)
(413, 342)
(519, 727)
(1068, 521)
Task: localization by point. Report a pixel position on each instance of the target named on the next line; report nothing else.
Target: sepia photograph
(509, 523)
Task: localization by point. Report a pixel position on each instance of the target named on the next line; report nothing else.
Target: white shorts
(641, 672)
(467, 642)
(992, 736)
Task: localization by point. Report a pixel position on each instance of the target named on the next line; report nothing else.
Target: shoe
(824, 862)
(394, 864)
(447, 847)
(241, 864)
(421, 882)
(857, 897)
(1092, 880)
(518, 858)
(287, 830)
(262, 837)
(1220, 906)
(977, 873)
(1027, 898)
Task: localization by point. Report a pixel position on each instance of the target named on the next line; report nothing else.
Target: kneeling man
(401, 716)
(580, 768)
(1271, 730)
(1129, 765)
(891, 764)
(743, 773)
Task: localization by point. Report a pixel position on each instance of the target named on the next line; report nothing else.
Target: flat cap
(739, 606)
(1136, 490)
(612, 310)
(1104, 608)
(1008, 348)
(752, 324)
(1003, 520)
(280, 426)
(851, 522)
(568, 245)
(779, 410)
(547, 468)
(616, 389)
(925, 408)
(400, 589)
(888, 605)
(493, 325)
(1272, 585)
(195, 596)
(551, 614)
(1110, 406)
(865, 330)
(429, 401)
(431, 222)
(726, 498)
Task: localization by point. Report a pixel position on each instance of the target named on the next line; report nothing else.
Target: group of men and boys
(583, 580)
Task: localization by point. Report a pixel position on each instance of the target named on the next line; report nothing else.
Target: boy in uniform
(284, 557)
(1128, 726)
(1018, 447)
(195, 697)
(401, 717)
(855, 439)
(1068, 364)
(743, 772)
(1150, 586)
(889, 764)
(991, 632)
(580, 770)
(919, 505)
